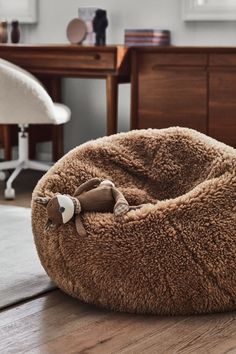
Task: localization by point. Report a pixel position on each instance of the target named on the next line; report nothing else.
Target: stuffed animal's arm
(79, 226)
(121, 204)
(92, 183)
(118, 196)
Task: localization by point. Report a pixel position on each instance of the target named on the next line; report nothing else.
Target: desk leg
(54, 89)
(112, 104)
(6, 137)
(57, 142)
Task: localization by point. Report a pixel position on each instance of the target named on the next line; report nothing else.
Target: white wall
(87, 97)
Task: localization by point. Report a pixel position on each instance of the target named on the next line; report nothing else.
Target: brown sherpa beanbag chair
(175, 256)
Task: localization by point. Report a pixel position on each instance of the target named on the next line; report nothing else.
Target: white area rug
(21, 274)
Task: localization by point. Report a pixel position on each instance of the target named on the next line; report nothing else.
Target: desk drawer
(94, 60)
(222, 60)
(67, 60)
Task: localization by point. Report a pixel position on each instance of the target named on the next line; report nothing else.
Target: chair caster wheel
(9, 193)
(3, 176)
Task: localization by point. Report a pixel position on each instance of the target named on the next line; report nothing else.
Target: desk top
(185, 49)
(67, 60)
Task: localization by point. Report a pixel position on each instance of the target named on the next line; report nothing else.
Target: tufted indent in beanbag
(175, 256)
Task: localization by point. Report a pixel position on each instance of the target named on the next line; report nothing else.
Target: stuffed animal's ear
(50, 226)
(79, 226)
(42, 200)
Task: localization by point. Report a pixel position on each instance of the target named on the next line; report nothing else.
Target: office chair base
(9, 194)
(3, 175)
(22, 163)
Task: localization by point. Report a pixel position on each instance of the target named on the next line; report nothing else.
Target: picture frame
(25, 11)
(208, 10)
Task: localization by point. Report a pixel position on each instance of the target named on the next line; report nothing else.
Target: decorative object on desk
(76, 31)
(87, 14)
(100, 23)
(15, 32)
(24, 10)
(208, 10)
(147, 37)
(3, 32)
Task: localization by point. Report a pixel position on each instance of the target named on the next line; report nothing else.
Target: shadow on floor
(24, 186)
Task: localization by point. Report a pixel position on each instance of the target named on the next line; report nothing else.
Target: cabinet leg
(112, 104)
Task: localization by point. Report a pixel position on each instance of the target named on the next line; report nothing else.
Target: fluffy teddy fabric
(32, 104)
(176, 255)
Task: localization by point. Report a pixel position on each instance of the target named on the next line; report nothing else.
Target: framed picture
(209, 10)
(25, 11)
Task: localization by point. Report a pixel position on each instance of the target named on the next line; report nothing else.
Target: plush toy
(93, 195)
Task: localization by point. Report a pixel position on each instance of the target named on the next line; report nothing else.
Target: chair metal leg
(38, 166)
(9, 191)
(22, 163)
(9, 165)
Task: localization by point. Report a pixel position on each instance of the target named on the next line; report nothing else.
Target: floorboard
(24, 185)
(56, 323)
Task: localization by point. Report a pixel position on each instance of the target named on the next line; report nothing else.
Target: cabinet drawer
(172, 96)
(222, 60)
(150, 61)
(222, 106)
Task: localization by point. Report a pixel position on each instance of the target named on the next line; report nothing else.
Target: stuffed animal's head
(60, 209)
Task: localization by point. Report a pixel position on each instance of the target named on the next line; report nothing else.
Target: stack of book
(146, 37)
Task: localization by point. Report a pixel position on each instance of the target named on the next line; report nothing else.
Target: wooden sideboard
(193, 87)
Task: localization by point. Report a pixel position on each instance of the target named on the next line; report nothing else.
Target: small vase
(15, 32)
(3, 32)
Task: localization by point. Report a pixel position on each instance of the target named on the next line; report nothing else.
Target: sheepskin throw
(177, 254)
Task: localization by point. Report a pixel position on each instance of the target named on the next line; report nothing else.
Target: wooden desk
(50, 63)
(193, 87)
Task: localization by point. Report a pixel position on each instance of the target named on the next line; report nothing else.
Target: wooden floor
(56, 323)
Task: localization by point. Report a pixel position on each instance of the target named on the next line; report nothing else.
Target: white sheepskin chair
(24, 101)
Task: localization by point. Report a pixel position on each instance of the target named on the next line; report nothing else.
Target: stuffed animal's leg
(86, 186)
(136, 207)
(121, 205)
